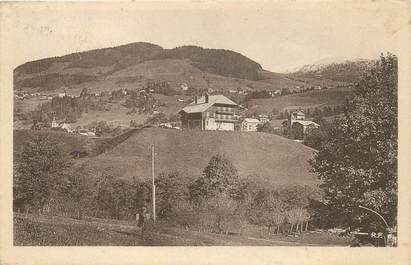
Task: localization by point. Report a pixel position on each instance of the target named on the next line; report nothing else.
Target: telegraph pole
(154, 185)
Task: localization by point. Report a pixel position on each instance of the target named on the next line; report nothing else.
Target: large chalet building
(209, 112)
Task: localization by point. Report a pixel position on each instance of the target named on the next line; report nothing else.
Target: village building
(263, 118)
(249, 125)
(295, 116)
(66, 127)
(54, 123)
(184, 87)
(298, 126)
(215, 112)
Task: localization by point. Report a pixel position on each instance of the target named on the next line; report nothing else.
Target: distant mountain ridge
(133, 65)
(345, 70)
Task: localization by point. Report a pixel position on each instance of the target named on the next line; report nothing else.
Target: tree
(275, 212)
(170, 188)
(226, 212)
(40, 170)
(184, 214)
(265, 127)
(316, 137)
(295, 216)
(358, 162)
(219, 176)
(111, 196)
(73, 193)
(156, 119)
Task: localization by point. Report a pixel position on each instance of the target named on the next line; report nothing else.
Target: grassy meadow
(271, 158)
(311, 99)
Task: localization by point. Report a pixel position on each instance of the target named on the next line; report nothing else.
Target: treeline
(53, 81)
(357, 152)
(316, 112)
(283, 92)
(217, 61)
(217, 201)
(67, 108)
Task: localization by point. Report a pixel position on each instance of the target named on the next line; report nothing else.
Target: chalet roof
(251, 120)
(202, 106)
(307, 123)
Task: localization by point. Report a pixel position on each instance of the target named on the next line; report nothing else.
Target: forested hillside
(97, 65)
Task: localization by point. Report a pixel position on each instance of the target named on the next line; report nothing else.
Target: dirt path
(170, 236)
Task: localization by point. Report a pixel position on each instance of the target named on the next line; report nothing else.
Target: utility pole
(154, 185)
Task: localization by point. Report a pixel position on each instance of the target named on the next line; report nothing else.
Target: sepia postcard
(205, 132)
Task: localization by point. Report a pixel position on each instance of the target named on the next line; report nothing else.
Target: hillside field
(69, 142)
(311, 99)
(272, 158)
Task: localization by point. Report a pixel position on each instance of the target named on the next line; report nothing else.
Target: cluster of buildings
(217, 112)
(27, 95)
(251, 124)
(298, 126)
(67, 128)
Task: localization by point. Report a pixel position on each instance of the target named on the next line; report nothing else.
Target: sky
(280, 37)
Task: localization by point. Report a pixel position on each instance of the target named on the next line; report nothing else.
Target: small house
(249, 125)
(54, 123)
(184, 87)
(66, 127)
(263, 118)
(277, 92)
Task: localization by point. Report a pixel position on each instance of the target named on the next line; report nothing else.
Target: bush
(184, 214)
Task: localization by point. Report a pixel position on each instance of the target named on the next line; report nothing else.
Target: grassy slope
(69, 141)
(312, 99)
(279, 160)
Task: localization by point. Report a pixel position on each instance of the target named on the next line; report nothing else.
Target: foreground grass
(31, 230)
(34, 231)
